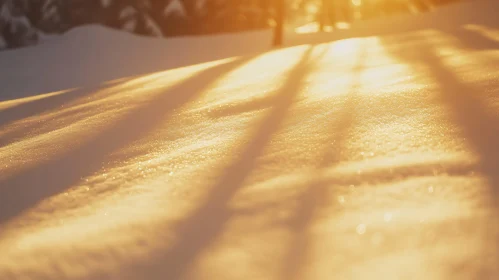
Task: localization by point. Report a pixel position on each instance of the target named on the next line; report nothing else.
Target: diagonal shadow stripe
(206, 223)
(24, 190)
(316, 193)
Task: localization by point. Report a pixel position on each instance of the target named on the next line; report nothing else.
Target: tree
(279, 27)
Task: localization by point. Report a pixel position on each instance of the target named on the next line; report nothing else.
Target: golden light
(342, 25)
(312, 8)
(145, 179)
(357, 2)
(19, 101)
(307, 28)
(492, 34)
(339, 160)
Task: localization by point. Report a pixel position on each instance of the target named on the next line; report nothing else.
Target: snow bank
(94, 54)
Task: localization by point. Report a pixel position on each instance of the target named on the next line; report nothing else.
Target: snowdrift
(93, 54)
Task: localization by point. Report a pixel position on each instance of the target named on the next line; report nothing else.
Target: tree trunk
(279, 28)
(323, 15)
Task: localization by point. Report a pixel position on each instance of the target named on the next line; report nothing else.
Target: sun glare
(357, 2)
(24, 100)
(312, 8)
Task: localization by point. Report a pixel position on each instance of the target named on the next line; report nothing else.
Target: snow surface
(128, 12)
(91, 55)
(370, 157)
(153, 28)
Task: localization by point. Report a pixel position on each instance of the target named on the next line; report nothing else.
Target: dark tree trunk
(279, 28)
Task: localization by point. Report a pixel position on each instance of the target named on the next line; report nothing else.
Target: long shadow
(52, 103)
(480, 129)
(91, 62)
(205, 224)
(316, 195)
(468, 110)
(39, 106)
(471, 40)
(21, 191)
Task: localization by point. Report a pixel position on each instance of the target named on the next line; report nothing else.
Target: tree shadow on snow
(317, 194)
(24, 190)
(100, 54)
(53, 102)
(207, 222)
(467, 108)
(472, 40)
(61, 105)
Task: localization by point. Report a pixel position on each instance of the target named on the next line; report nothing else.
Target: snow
(175, 7)
(73, 57)
(368, 153)
(49, 10)
(154, 29)
(3, 44)
(18, 22)
(127, 12)
(130, 25)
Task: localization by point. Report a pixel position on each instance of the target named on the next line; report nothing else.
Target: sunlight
(342, 25)
(355, 155)
(339, 58)
(308, 28)
(385, 73)
(256, 72)
(15, 102)
(349, 48)
(490, 33)
(55, 135)
(146, 180)
(313, 27)
(449, 50)
(312, 8)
